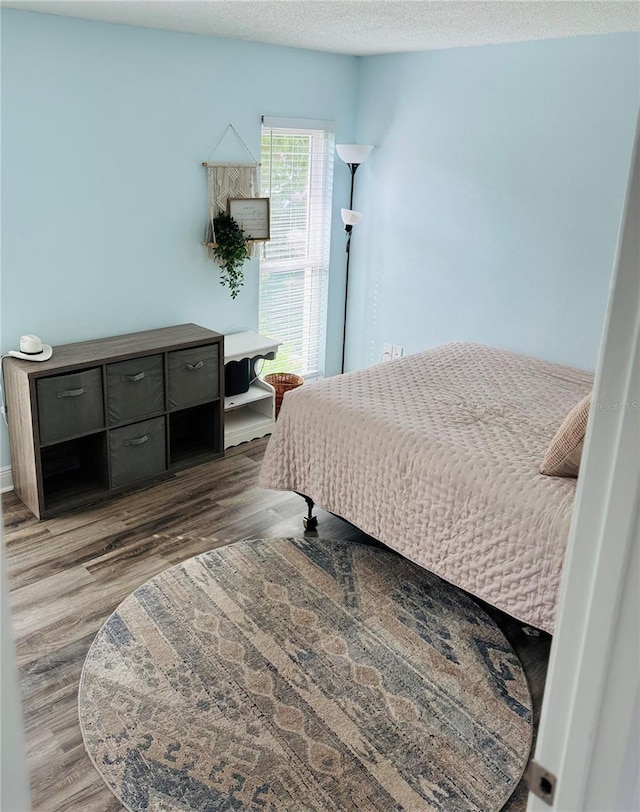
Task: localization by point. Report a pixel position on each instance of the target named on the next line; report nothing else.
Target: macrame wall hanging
(228, 180)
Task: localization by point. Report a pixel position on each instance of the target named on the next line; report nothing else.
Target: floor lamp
(353, 155)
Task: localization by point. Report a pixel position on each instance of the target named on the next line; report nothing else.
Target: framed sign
(252, 215)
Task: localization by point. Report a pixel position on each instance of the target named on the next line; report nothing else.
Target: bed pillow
(565, 450)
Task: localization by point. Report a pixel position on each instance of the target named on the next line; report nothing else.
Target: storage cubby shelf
(103, 416)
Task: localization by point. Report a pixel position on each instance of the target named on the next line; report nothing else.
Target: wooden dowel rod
(228, 163)
(213, 244)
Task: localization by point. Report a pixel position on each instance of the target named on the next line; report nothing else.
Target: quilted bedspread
(437, 455)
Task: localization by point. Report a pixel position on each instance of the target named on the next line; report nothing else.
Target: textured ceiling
(361, 27)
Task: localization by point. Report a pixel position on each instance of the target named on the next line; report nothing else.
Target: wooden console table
(251, 414)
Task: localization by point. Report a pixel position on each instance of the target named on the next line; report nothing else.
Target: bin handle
(132, 378)
(137, 440)
(197, 365)
(70, 393)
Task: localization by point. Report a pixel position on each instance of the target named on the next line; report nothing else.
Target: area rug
(295, 675)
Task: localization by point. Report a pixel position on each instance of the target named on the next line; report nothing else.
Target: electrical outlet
(396, 351)
(387, 352)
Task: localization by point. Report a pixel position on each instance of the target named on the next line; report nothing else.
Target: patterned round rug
(295, 675)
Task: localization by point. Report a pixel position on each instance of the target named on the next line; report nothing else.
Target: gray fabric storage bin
(135, 388)
(137, 451)
(193, 376)
(70, 404)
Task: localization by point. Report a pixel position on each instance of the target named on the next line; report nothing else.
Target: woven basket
(282, 382)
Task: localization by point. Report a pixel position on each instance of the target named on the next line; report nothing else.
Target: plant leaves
(230, 252)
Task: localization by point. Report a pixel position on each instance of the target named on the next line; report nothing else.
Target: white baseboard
(6, 480)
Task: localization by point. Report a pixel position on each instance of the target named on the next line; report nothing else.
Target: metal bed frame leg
(309, 521)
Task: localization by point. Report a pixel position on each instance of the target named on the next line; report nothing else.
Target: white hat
(32, 349)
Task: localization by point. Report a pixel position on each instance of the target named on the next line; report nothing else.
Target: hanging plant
(230, 251)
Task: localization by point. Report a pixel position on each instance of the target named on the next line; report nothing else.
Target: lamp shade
(354, 153)
(350, 217)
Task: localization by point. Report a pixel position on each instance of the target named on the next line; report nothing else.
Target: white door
(589, 737)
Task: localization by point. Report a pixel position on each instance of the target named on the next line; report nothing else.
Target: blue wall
(493, 201)
(104, 201)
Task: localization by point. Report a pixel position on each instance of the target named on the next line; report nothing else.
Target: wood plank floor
(68, 574)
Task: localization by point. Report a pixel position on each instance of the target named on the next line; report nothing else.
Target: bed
(437, 455)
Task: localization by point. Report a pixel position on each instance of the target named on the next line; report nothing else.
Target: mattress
(437, 455)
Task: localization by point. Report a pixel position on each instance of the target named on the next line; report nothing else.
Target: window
(297, 174)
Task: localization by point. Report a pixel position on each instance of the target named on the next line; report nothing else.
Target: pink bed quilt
(437, 455)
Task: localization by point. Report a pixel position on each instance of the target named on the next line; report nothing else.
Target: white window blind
(297, 174)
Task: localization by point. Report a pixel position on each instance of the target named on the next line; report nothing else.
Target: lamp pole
(353, 155)
(348, 229)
